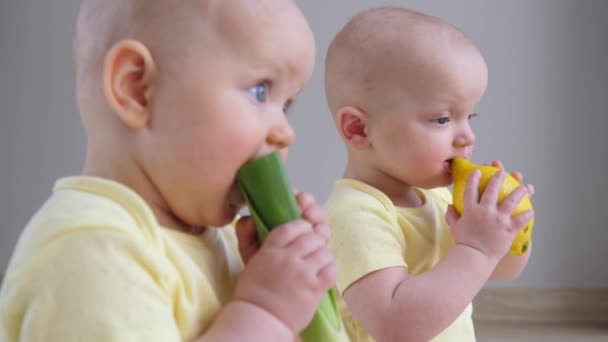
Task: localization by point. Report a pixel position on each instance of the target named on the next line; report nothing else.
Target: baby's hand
(485, 225)
(293, 268)
(517, 175)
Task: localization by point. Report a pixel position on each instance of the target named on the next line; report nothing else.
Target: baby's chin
(442, 178)
(223, 212)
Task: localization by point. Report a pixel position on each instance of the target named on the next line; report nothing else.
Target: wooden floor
(496, 331)
(541, 315)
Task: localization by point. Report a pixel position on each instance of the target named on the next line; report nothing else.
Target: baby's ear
(352, 126)
(129, 73)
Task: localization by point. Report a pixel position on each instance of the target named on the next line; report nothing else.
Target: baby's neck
(410, 199)
(401, 194)
(102, 164)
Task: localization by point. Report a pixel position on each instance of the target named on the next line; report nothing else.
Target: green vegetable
(271, 201)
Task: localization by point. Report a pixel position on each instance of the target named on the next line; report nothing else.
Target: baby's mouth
(236, 201)
(448, 165)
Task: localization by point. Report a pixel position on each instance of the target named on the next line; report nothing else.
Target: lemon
(462, 168)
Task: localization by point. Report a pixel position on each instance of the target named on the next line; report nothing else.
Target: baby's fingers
(522, 219)
(325, 264)
(305, 200)
(512, 201)
(517, 175)
(328, 275)
(284, 234)
(498, 164)
(490, 195)
(247, 238)
(323, 231)
(315, 214)
(530, 188)
(451, 216)
(307, 244)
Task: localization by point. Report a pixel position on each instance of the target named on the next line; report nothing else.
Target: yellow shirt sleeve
(443, 194)
(365, 233)
(369, 233)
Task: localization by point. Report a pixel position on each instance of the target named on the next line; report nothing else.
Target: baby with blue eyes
(402, 87)
(175, 97)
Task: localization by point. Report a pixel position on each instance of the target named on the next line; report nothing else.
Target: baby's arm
(243, 321)
(392, 306)
(510, 266)
(282, 284)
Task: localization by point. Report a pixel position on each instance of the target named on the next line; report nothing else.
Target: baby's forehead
(280, 38)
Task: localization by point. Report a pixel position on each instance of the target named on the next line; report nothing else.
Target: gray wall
(41, 135)
(544, 114)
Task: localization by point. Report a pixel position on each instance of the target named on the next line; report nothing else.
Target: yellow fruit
(462, 168)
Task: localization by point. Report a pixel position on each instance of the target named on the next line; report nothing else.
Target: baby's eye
(472, 115)
(442, 121)
(259, 91)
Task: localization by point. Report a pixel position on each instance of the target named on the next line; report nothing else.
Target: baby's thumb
(247, 238)
(451, 216)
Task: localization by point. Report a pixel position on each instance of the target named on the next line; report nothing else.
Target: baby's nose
(280, 136)
(466, 138)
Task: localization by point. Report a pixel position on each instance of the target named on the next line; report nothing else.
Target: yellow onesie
(369, 233)
(94, 265)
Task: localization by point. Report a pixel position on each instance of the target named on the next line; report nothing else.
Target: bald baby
(176, 96)
(383, 51)
(402, 87)
(156, 66)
